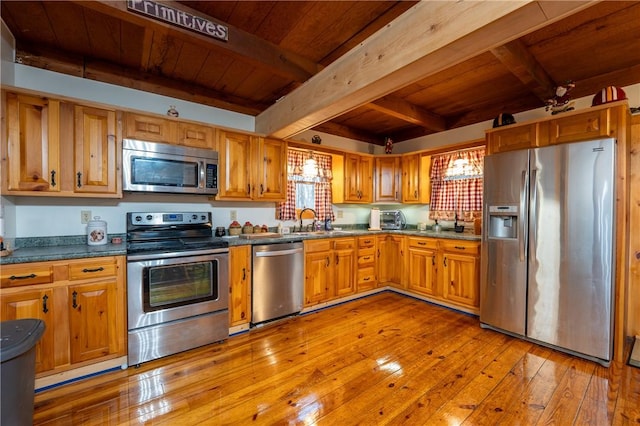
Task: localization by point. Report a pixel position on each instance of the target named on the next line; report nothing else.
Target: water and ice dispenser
(503, 222)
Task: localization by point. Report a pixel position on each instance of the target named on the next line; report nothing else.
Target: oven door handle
(278, 252)
(190, 253)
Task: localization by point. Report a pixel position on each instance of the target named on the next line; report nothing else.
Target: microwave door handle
(202, 174)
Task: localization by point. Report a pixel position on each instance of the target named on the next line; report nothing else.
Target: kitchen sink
(322, 232)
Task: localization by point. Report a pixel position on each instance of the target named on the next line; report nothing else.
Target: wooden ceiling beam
(521, 63)
(349, 133)
(409, 112)
(241, 45)
(105, 72)
(428, 38)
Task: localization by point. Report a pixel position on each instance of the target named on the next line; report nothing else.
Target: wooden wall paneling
(633, 298)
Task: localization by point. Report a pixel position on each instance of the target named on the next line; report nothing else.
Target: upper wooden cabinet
(96, 149)
(32, 147)
(411, 178)
(168, 130)
(595, 122)
(251, 168)
(44, 134)
(358, 178)
(387, 179)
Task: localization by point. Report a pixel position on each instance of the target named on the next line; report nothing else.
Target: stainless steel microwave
(159, 167)
(392, 219)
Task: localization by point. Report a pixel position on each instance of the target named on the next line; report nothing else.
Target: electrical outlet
(85, 216)
(340, 214)
(233, 215)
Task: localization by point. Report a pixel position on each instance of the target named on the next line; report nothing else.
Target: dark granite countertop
(62, 251)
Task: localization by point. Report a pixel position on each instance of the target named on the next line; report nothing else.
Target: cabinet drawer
(366, 257)
(462, 247)
(318, 245)
(344, 243)
(93, 269)
(366, 276)
(364, 242)
(425, 243)
(26, 274)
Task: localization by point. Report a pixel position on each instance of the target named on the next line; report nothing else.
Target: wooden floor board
(383, 359)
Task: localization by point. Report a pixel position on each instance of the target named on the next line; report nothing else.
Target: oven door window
(170, 286)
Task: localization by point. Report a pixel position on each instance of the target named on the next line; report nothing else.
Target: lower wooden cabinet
(239, 285)
(329, 266)
(391, 260)
(81, 301)
(445, 270)
(367, 266)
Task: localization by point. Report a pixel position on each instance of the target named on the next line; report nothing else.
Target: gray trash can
(18, 339)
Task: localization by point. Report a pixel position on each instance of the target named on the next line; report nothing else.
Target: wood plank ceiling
(274, 47)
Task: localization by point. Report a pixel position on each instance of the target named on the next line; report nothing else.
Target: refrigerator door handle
(523, 225)
(533, 207)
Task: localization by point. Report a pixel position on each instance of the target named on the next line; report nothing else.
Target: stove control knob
(194, 217)
(149, 217)
(203, 217)
(138, 218)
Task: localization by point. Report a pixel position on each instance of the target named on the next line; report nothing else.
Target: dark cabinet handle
(261, 189)
(44, 303)
(79, 179)
(433, 261)
(460, 247)
(53, 178)
(244, 274)
(337, 260)
(415, 194)
(328, 262)
(22, 277)
(75, 300)
(378, 252)
(445, 261)
(366, 258)
(422, 243)
(367, 278)
(249, 189)
(85, 270)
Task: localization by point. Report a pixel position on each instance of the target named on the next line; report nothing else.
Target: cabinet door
(38, 304)
(592, 124)
(271, 178)
(318, 276)
(391, 260)
(352, 178)
(196, 135)
(460, 279)
(93, 329)
(411, 178)
(152, 129)
(234, 177)
(423, 266)
(366, 179)
(518, 137)
(387, 179)
(240, 285)
(33, 143)
(344, 265)
(95, 150)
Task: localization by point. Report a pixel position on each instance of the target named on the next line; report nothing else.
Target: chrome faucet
(315, 217)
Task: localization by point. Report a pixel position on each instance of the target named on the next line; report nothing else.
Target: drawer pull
(44, 303)
(422, 243)
(22, 277)
(367, 241)
(366, 258)
(75, 300)
(459, 247)
(85, 270)
(367, 278)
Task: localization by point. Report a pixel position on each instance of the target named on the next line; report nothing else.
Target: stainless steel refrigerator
(548, 246)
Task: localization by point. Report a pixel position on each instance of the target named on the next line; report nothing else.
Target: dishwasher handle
(277, 252)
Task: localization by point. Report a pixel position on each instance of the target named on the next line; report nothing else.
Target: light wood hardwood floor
(384, 359)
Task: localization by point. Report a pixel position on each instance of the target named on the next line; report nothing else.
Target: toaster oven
(392, 219)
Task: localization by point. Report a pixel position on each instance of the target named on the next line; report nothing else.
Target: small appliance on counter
(392, 219)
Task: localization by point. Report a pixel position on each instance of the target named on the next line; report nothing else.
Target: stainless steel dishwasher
(278, 281)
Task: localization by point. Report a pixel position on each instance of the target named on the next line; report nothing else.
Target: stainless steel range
(177, 282)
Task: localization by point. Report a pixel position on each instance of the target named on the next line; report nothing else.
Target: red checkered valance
(457, 193)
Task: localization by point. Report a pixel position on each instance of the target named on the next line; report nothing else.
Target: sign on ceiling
(179, 18)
